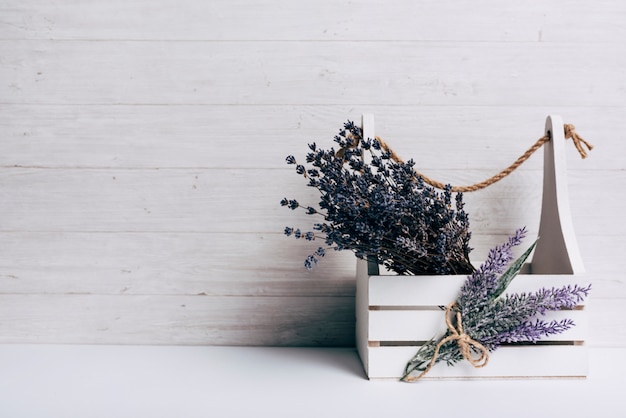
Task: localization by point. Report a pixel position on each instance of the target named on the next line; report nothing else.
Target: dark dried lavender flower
(379, 209)
(310, 261)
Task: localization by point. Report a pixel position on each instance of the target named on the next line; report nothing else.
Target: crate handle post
(557, 249)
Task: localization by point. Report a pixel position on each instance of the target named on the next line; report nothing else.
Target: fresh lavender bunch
(381, 210)
(492, 319)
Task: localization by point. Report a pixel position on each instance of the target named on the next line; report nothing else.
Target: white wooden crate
(397, 314)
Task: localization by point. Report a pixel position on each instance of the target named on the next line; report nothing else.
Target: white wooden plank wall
(142, 149)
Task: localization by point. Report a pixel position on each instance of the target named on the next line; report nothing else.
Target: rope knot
(467, 345)
(570, 133)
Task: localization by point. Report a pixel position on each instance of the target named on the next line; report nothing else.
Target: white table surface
(90, 381)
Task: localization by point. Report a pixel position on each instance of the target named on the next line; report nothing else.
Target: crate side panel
(362, 313)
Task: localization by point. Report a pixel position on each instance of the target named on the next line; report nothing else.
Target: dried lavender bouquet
(483, 319)
(381, 210)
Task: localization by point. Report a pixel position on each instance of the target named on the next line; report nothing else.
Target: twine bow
(466, 344)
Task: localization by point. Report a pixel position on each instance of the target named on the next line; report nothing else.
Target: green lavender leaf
(513, 270)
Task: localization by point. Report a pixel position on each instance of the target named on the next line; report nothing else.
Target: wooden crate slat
(507, 362)
(438, 290)
(422, 325)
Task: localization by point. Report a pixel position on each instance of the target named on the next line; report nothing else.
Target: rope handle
(569, 131)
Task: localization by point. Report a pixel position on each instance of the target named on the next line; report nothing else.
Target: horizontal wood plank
(184, 73)
(184, 320)
(233, 200)
(482, 20)
(168, 264)
(187, 136)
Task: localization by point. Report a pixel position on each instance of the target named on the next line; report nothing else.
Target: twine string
(466, 344)
(569, 132)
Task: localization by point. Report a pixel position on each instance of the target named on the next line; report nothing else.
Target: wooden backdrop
(142, 147)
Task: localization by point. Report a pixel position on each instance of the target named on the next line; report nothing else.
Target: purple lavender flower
(481, 284)
(532, 331)
(515, 318)
(492, 318)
